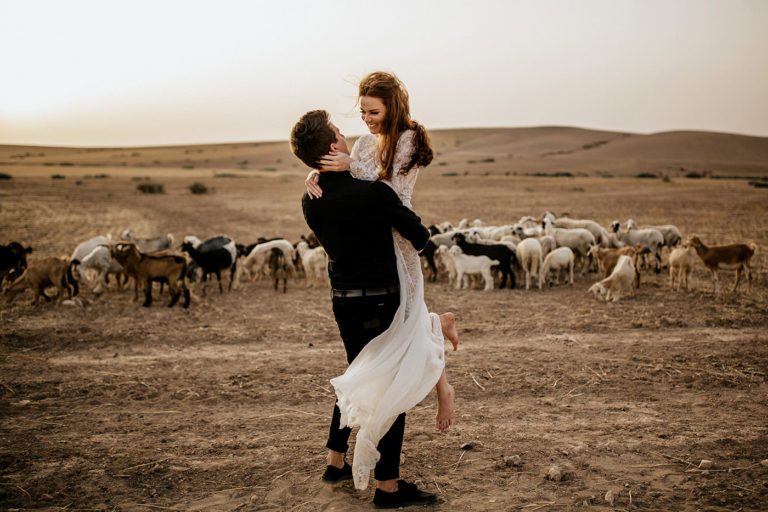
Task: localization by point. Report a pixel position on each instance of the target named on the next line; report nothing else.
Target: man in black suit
(353, 220)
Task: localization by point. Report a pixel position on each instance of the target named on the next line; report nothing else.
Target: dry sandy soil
(225, 406)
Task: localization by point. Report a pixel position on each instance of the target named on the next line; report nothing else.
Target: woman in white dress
(398, 368)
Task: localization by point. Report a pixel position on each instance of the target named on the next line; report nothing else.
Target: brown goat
(146, 268)
(726, 257)
(51, 271)
(607, 259)
(278, 268)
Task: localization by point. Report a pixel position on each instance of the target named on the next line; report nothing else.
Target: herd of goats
(469, 254)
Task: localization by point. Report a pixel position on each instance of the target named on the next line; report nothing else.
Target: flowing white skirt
(394, 371)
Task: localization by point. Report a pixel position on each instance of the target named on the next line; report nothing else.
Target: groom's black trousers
(361, 319)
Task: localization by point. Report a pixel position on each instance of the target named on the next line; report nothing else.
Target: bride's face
(373, 112)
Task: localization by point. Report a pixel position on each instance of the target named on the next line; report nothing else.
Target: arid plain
(106, 405)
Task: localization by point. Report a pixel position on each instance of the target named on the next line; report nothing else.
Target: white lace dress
(398, 368)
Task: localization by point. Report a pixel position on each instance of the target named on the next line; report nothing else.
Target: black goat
(278, 268)
(13, 260)
(213, 256)
(428, 253)
(503, 254)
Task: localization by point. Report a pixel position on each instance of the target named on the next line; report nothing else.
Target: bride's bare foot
(444, 418)
(449, 329)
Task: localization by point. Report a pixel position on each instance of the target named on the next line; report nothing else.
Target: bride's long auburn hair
(391, 91)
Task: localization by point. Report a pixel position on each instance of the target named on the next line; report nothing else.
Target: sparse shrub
(49, 164)
(759, 184)
(646, 175)
(577, 189)
(226, 175)
(78, 182)
(665, 179)
(198, 188)
(66, 164)
(188, 166)
(57, 177)
(450, 174)
(694, 175)
(137, 178)
(488, 160)
(150, 188)
(506, 173)
(442, 163)
(5, 176)
(564, 174)
(471, 161)
(135, 154)
(268, 169)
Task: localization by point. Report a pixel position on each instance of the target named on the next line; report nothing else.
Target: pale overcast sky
(148, 72)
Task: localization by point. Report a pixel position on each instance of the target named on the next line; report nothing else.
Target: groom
(353, 220)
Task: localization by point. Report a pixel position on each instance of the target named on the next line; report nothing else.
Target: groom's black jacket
(353, 220)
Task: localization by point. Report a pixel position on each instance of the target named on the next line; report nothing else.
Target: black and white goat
(499, 252)
(214, 255)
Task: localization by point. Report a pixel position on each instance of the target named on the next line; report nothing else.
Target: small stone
(554, 473)
(610, 498)
(764, 463)
(514, 460)
(705, 464)
(468, 446)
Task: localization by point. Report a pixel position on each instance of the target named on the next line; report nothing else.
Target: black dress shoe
(334, 475)
(406, 494)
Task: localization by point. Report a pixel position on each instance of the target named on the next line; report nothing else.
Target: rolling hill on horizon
(530, 150)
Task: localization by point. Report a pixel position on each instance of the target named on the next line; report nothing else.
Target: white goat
(650, 240)
(467, 265)
(100, 261)
(529, 255)
(315, 262)
(620, 280)
(671, 234)
(557, 260)
(681, 261)
(256, 261)
(578, 240)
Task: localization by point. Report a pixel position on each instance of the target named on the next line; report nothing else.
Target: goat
(148, 244)
(51, 271)
(681, 261)
(13, 260)
(578, 240)
(170, 268)
(650, 240)
(428, 253)
(500, 252)
(99, 260)
(315, 262)
(213, 256)
(620, 280)
(278, 268)
(255, 263)
(607, 258)
(718, 257)
(466, 265)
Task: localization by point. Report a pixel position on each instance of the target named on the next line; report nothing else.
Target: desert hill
(534, 150)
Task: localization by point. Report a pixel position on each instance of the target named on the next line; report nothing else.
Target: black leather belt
(364, 292)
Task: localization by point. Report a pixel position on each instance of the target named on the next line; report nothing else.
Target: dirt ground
(225, 406)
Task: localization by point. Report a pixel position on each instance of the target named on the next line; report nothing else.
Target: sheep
(501, 253)
(315, 262)
(671, 234)
(255, 264)
(618, 282)
(578, 240)
(650, 240)
(494, 232)
(560, 259)
(213, 256)
(548, 244)
(522, 232)
(599, 232)
(51, 271)
(529, 255)
(467, 265)
(148, 244)
(718, 257)
(13, 260)
(681, 261)
(278, 268)
(147, 268)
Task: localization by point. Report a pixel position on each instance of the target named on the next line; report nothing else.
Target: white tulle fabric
(398, 368)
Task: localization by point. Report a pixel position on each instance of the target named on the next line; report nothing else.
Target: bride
(397, 369)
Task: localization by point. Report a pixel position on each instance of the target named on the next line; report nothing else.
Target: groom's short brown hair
(312, 136)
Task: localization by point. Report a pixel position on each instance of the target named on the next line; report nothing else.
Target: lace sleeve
(404, 183)
(363, 155)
